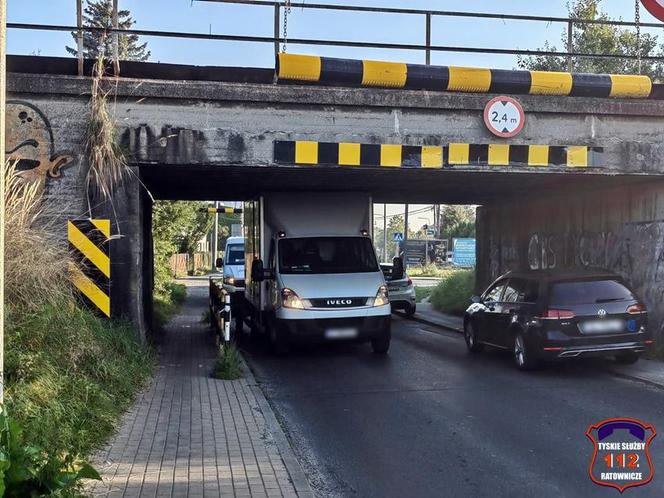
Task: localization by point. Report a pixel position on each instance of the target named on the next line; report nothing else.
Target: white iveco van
(314, 274)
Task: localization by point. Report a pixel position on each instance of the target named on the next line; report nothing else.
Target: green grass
(453, 293)
(70, 375)
(427, 271)
(167, 304)
(229, 364)
(422, 292)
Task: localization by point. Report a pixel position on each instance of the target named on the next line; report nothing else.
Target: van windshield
(319, 255)
(235, 254)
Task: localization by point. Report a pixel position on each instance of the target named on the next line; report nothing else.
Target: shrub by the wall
(453, 293)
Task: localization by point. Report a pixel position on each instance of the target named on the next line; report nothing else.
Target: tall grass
(68, 373)
(453, 293)
(108, 166)
(35, 261)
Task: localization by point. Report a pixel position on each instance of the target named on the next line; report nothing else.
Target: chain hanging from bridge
(637, 21)
(287, 11)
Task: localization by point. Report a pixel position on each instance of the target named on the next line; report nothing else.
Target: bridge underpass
(598, 200)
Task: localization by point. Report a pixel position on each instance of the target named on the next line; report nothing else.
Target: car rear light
(649, 342)
(637, 309)
(410, 282)
(557, 314)
(552, 349)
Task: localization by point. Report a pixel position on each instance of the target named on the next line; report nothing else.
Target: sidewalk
(649, 371)
(191, 435)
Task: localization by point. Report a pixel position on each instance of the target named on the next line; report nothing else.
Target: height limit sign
(504, 117)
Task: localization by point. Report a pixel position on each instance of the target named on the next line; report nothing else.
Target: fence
(278, 38)
(183, 264)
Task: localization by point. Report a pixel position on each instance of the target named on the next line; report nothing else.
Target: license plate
(393, 289)
(603, 326)
(343, 333)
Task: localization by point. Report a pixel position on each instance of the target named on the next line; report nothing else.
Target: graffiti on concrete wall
(29, 142)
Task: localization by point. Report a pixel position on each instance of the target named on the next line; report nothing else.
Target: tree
(175, 226)
(99, 14)
(600, 39)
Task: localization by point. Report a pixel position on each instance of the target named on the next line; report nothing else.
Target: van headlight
(229, 280)
(289, 299)
(381, 296)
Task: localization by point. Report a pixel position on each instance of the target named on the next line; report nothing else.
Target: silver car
(401, 292)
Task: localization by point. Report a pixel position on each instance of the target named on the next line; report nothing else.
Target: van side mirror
(257, 272)
(219, 263)
(476, 299)
(397, 269)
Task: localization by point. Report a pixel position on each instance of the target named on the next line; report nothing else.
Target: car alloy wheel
(519, 351)
(471, 341)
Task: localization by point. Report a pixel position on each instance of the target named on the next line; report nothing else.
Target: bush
(26, 470)
(453, 294)
(167, 303)
(229, 363)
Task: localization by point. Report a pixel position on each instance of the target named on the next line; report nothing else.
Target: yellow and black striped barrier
(434, 156)
(90, 265)
(350, 72)
(221, 210)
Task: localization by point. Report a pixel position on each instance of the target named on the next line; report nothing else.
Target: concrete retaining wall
(621, 229)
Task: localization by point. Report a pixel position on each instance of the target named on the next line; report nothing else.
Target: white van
(233, 274)
(314, 274)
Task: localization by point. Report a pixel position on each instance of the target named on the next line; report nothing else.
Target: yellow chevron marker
(538, 155)
(299, 67)
(90, 290)
(88, 249)
(385, 74)
(550, 83)
(469, 79)
(104, 226)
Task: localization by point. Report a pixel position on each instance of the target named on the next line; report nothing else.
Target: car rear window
(589, 291)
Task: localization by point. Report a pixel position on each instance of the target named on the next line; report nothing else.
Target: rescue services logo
(621, 458)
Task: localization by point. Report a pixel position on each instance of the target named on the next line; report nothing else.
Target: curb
(427, 321)
(295, 471)
(608, 370)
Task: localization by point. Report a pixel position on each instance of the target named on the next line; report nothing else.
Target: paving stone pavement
(189, 435)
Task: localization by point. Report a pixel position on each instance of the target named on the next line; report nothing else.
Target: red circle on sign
(504, 134)
(655, 8)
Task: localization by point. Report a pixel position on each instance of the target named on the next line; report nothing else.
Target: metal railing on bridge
(279, 38)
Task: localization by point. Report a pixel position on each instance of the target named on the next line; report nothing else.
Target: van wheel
(627, 358)
(381, 345)
(523, 357)
(471, 339)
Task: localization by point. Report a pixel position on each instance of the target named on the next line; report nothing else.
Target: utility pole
(215, 237)
(3, 88)
(385, 232)
(405, 237)
(116, 40)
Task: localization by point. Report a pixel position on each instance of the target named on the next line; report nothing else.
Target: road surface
(431, 421)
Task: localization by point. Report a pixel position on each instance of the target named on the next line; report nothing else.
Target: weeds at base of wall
(229, 363)
(167, 304)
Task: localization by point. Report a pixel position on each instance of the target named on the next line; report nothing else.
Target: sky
(205, 17)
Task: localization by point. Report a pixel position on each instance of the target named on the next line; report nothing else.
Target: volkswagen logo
(601, 313)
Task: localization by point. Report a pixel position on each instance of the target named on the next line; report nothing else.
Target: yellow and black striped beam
(90, 265)
(350, 72)
(435, 156)
(221, 210)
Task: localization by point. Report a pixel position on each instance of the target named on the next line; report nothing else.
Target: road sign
(464, 252)
(655, 7)
(504, 117)
(431, 232)
(397, 236)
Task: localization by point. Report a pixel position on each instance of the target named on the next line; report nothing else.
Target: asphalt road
(431, 421)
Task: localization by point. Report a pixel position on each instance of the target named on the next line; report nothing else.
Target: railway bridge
(581, 184)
